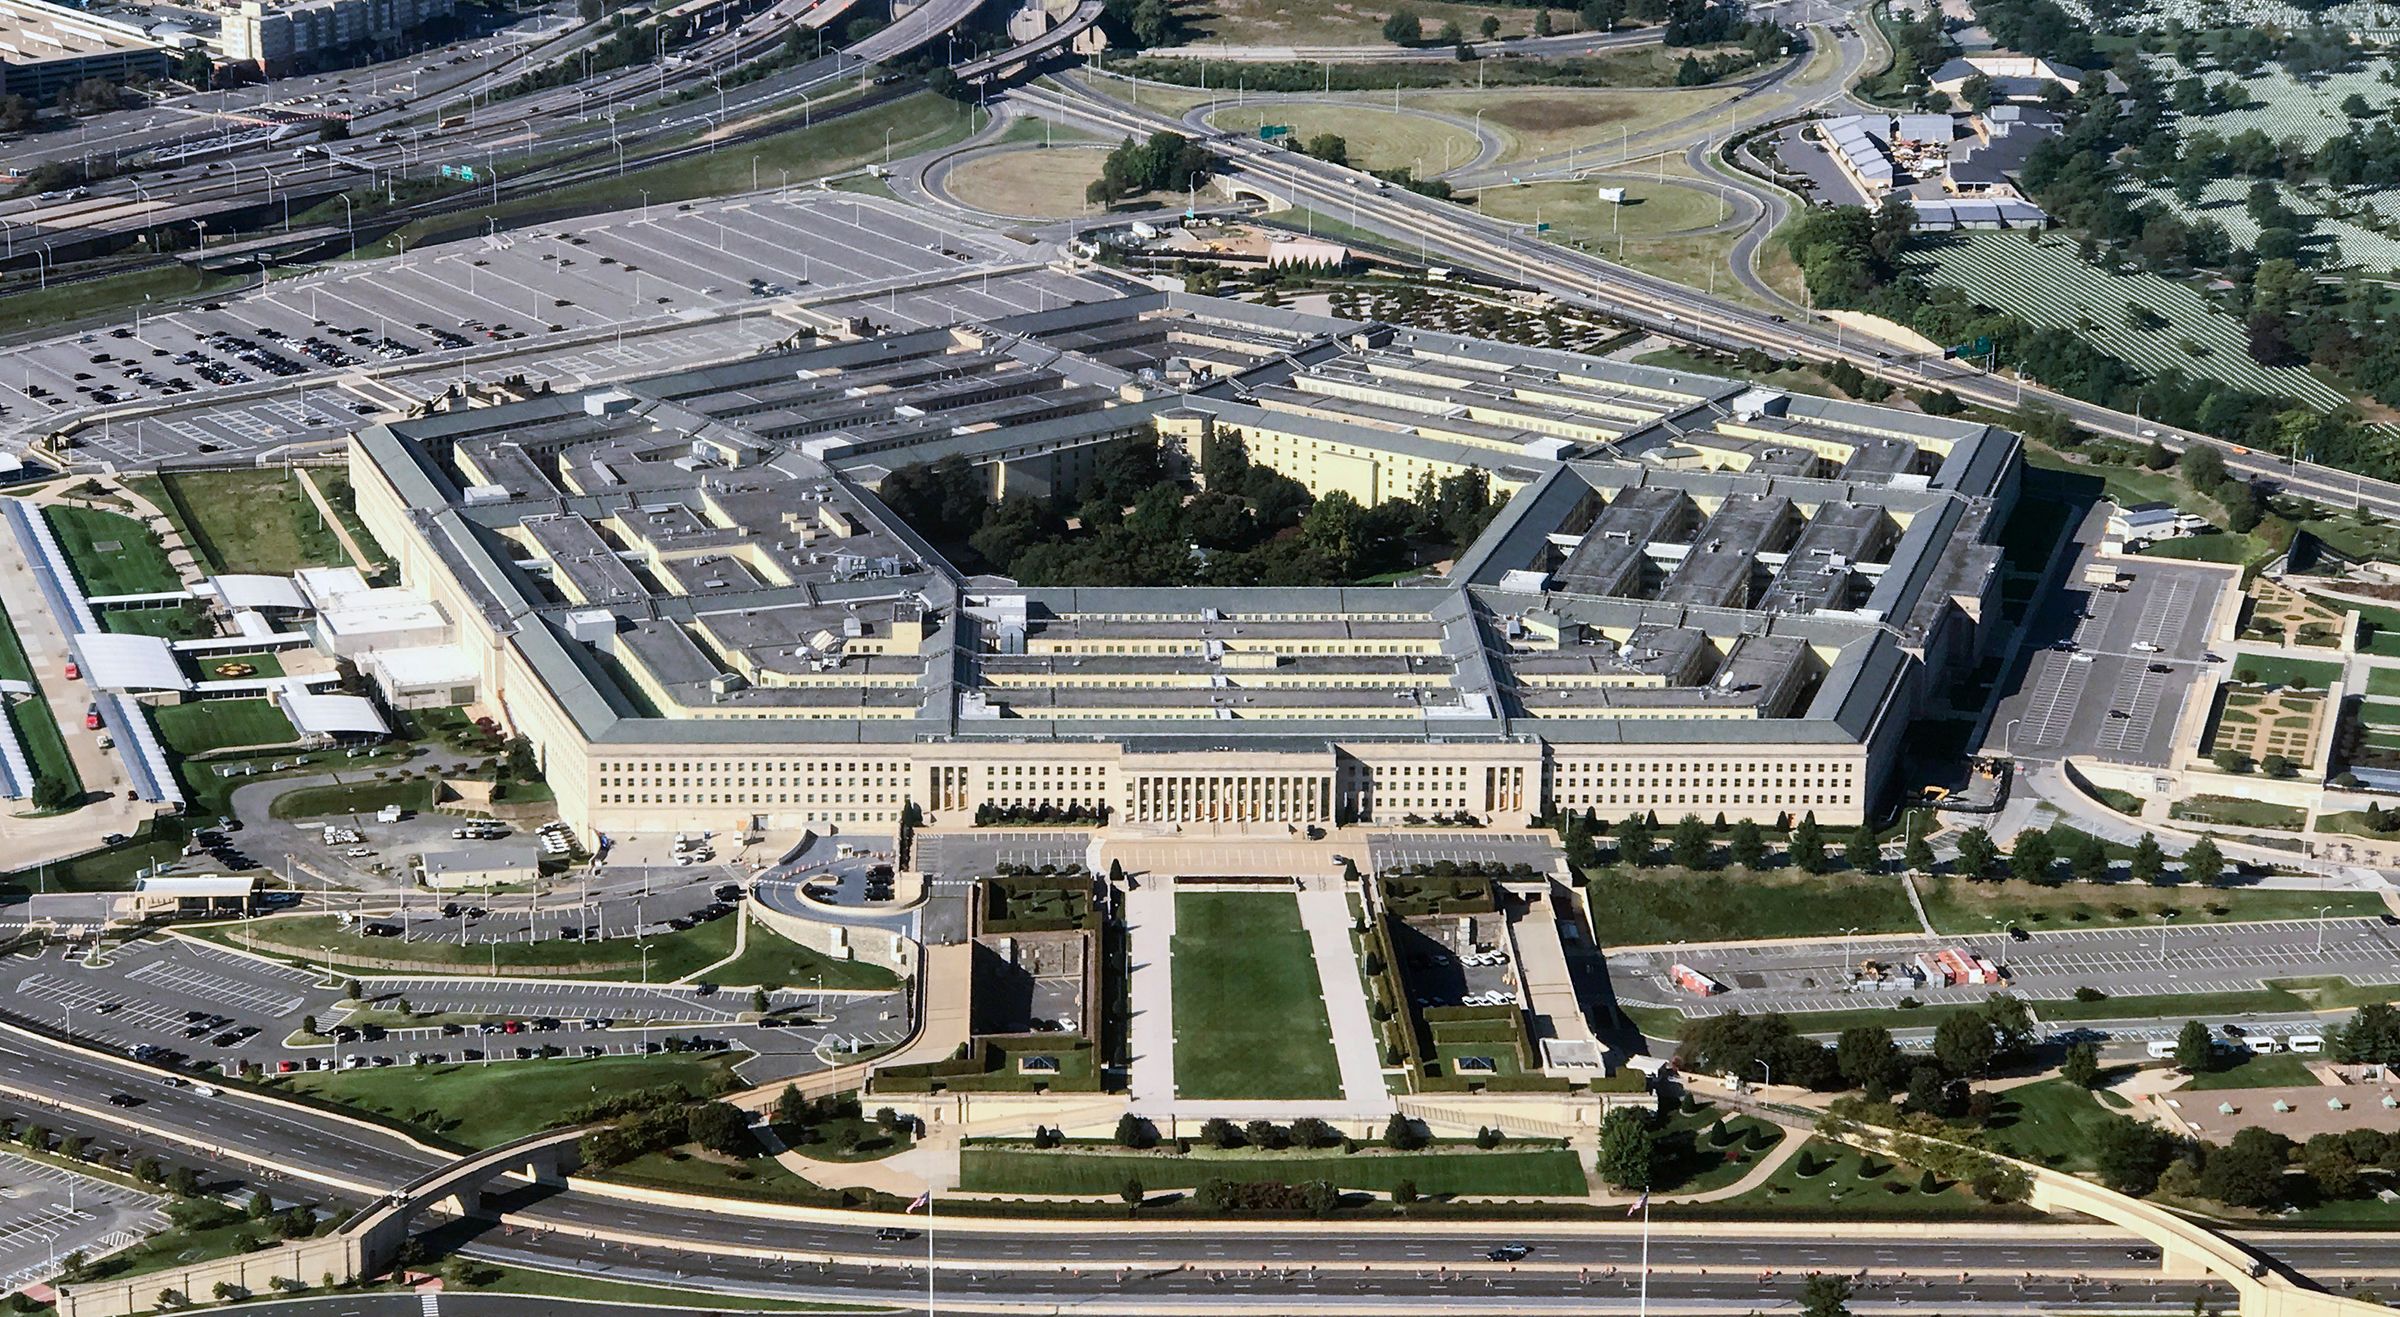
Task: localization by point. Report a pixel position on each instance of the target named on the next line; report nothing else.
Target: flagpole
(1645, 1310)
(929, 1251)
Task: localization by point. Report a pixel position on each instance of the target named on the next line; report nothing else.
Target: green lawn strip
(566, 1286)
(255, 521)
(181, 622)
(2277, 670)
(2237, 811)
(2204, 548)
(1667, 904)
(1249, 1012)
(770, 960)
(1693, 1161)
(483, 1104)
(1101, 1172)
(2049, 1123)
(822, 1140)
(335, 486)
(1841, 1189)
(2248, 1070)
(353, 798)
(64, 306)
(2278, 997)
(309, 940)
(2379, 713)
(35, 719)
(205, 725)
(1795, 381)
(135, 566)
(260, 662)
(214, 1231)
(2354, 822)
(1957, 905)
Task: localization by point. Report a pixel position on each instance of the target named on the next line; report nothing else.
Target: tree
(2082, 1066)
(1748, 848)
(2030, 856)
(351, 991)
(759, 1002)
(1320, 1198)
(184, 1182)
(2149, 863)
(16, 114)
(1918, 853)
(1867, 1057)
(1131, 1192)
(791, 1109)
(1808, 845)
(2088, 858)
(51, 792)
(1964, 1045)
(1861, 850)
(1976, 853)
(2203, 863)
(1628, 1149)
(1542, 26)
(1400, 1134)
(1404, 28)
(2330, 1163)
(1600, 15)
(720, 1127)
(1489, 27)
(1135, 1132)
(1825, 1296)
(261, 1207)
(2130, 1154)
(2194, 1052)
(1635, 841)
(1220, 1133)
(2247, 1172)
(1263, 1133)
(1692, 847)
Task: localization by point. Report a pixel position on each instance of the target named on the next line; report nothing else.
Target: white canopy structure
(330, 715)
(129, 662)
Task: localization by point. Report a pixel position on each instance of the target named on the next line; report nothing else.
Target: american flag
(924, 1201)
(1639, 1204)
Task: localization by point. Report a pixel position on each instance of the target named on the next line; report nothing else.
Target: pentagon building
(1700, 597)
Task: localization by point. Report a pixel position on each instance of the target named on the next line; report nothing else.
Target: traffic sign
(1980, 347)
(1268, 132)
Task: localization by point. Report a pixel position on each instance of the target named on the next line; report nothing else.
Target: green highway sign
(1268, 132)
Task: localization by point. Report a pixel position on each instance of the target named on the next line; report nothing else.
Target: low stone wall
(878, 946)
(286, 1268)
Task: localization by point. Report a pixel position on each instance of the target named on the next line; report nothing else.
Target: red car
(74, 673)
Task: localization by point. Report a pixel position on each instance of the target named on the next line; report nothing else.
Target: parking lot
(2044, 966)
(1401, 850)
(47, 1212)
(211, 1004)
(2106, 672)
(640, 291)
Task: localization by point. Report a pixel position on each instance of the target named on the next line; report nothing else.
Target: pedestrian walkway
(1150, 992)
(1325, 914)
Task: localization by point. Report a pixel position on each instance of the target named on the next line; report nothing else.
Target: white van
(2262, 1045)
(2161, 1048)
(2307, 1044)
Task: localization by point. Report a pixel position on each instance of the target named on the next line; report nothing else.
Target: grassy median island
(1669, 904)
(364, 797)
(1249, 1011)
(480, 1104)
(312, 939)
(1101, 1170)
(1836, 1182)
(1957, 905)
(771, 960)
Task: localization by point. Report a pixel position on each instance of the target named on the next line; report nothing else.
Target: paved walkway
(1325, 913)
(1150, 934)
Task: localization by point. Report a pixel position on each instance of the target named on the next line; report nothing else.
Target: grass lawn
(1552, 120)
(1688, 359)
(1439, 1171)
(2049, 1123)
(2236, 811)
(254, 521)
(132, 565)
(687, 1170)
(309, 939)
(1958, 906)
(2275, 670)
(2123, 802)
(352, 798)
(335, 486)
(2354, 822)
(1693, 1161)
(43, 312)
(1249, 1012)
(2277, 997)
(2204, 548)
(205, 1230)
(1666, 904)
(1850, 1186)
(1377, 138)
(35, 720)
(770, 960)
(184, 622)
(205, 725)
(1028, 182)
(2245, 1070)
(1266, 23)
(823, 1140)
(480, 1105)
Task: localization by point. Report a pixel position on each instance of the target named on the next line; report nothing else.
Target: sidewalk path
(1150, 934)
(1325, 913)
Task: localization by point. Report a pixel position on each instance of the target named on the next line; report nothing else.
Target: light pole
(1762, 1064)
(2322, 911)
